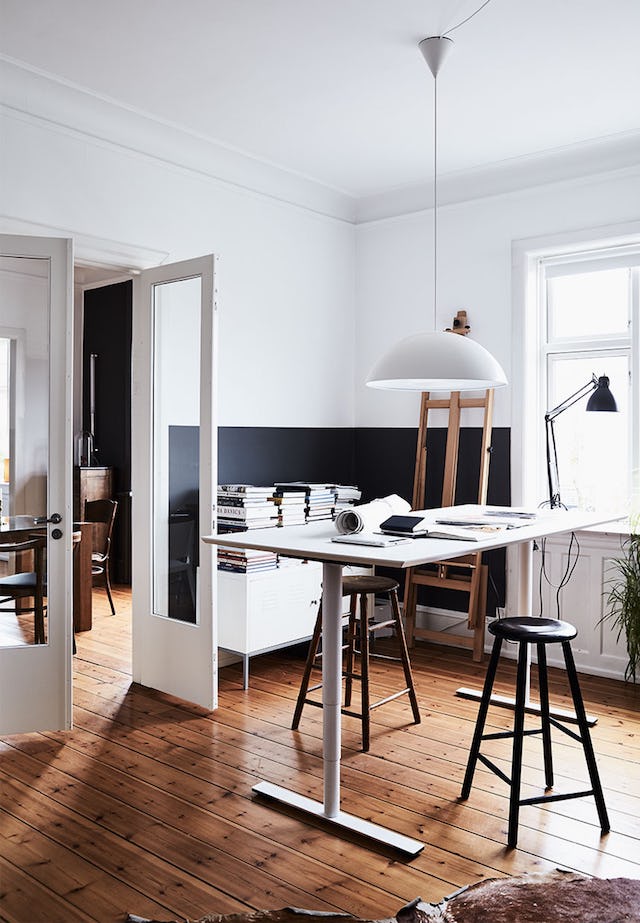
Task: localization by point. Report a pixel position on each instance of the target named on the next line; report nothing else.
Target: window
(588, 324)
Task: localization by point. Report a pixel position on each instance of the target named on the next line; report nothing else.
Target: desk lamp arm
(552, 453)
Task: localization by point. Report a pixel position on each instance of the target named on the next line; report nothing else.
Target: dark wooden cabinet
(94, 483)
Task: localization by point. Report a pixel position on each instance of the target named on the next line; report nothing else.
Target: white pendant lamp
(437, 361)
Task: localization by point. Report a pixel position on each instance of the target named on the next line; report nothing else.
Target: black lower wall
(380, 461)
(264, 455)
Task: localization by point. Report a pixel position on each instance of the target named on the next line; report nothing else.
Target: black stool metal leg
(518, 737)
(304, 685)
(587, 746)
(543, 681)
(364, 671)
(481, 719)
(404, 655)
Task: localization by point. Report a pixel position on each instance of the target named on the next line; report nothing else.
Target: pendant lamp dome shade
(437, 361)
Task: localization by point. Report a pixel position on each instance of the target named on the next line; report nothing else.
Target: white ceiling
(337, 90)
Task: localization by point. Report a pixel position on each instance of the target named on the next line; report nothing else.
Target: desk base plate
(531, 707)
(403, 844)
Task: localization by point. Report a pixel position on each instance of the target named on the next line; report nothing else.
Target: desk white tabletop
(313, 540)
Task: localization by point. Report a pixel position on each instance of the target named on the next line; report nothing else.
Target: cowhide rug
(555, 897)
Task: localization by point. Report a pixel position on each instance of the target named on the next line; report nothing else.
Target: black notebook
(404, 525)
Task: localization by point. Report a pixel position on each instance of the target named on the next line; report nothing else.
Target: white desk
(313, 541)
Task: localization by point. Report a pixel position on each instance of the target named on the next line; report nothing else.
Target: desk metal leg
(525, 596)
(329, 809)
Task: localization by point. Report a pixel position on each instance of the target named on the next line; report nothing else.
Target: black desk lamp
(601, 400)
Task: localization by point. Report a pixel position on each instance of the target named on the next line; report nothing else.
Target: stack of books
(246, 560)
(244, 506)
(346, 496)
(320, 499)
(291, 506)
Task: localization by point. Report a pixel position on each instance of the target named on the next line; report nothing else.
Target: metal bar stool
(358, 633)
(524, 631)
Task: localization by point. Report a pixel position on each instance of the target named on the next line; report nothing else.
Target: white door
(36, 446)
(174, 480)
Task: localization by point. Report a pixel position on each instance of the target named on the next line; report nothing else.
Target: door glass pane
(176, 418)
(589, 304)
(593, 448)
(24, 448)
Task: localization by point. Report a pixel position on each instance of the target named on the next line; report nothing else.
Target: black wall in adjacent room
(107, 333)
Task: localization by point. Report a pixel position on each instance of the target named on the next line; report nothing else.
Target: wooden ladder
(467, 573)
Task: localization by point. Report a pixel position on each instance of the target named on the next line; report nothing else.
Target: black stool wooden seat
(525, 630)
(359, 631)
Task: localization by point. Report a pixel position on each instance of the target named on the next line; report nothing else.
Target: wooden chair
(101, 514)
(26, 584)
(359, 630)
(466, 574)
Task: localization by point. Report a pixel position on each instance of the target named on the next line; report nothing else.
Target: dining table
(17, 528)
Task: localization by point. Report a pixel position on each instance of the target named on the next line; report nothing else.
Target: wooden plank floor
(146, 806)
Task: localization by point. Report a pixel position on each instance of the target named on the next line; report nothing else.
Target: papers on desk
(474, 525)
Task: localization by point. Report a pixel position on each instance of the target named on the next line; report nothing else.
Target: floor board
(146, 806)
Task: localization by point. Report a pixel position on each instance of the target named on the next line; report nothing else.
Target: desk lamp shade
(602, 399)
(437, 361)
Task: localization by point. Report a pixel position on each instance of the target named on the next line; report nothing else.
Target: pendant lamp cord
(453, 28)
(435, 202)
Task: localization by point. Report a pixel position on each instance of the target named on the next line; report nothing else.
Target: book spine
(238, 512)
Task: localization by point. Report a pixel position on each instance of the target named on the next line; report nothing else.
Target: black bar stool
(359, 631)
(525, 630)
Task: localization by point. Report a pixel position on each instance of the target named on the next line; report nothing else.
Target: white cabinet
(596, 649)
(277, 608)
(264, 611)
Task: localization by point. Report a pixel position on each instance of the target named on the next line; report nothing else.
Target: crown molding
(575, 162)
(34, 94)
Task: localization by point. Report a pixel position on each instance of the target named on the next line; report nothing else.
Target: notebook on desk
(374, 539)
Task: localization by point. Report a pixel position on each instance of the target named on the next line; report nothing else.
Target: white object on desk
(314, 542)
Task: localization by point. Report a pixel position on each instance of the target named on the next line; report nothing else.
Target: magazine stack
(291, 506)
(246, 560)
(320, 499)
(346, 496)
(244, 506)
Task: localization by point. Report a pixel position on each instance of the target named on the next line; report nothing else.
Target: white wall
(394, 261)
(286, 273)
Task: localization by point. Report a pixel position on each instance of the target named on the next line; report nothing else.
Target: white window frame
(529, 365)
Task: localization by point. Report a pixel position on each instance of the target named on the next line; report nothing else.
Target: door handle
(55, 518)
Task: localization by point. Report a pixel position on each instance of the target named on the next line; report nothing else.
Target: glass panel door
(36, 527)
(174, 480)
